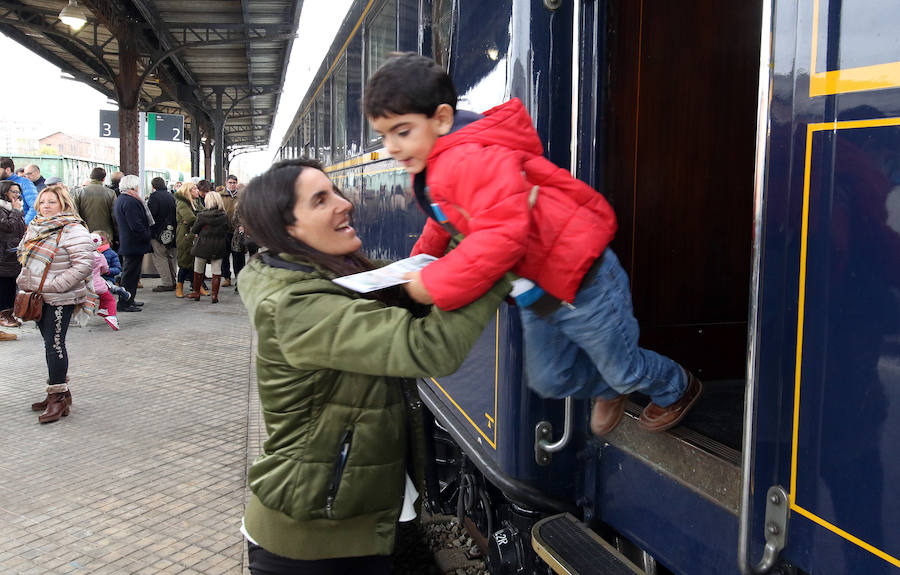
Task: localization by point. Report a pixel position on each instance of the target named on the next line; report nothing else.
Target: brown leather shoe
(57, 406)
(656, 418)
(4, 336)
(8, 320)
(607, 413)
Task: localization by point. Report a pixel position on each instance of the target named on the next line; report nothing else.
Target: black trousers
(240, 260)
(131, 274)
(226, 261)
(54, 324)
(7, 293)
(263, 562)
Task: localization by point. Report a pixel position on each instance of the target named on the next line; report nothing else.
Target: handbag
(29, 305)
(237, 242)
(167, 235)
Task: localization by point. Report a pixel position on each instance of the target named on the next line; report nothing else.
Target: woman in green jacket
(341, 418)
(186, 208)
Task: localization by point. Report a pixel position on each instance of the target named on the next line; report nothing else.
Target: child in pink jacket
(107, 307)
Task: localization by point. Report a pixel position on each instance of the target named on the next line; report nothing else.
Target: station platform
(148, 472)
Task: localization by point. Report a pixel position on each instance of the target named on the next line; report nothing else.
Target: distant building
(97, 149)
(19, 136)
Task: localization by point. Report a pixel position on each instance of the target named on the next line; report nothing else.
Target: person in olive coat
(210, 228)
(187, 205)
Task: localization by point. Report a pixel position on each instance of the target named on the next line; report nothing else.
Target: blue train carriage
(750, 192)
(822, 404)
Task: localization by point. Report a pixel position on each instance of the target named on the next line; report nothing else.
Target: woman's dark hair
(158, 183)
(266, 210)
(5, 185)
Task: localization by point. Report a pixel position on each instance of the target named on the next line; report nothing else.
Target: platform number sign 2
(165, 127)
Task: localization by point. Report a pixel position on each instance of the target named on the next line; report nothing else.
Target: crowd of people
(83, 249)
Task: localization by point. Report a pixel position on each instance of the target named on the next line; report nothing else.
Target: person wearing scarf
(133, 220)
(57, 238)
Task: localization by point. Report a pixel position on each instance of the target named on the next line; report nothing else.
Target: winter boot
(42, 405)
(7, 336)
(59, 398)
(179, 289)
(198, 281)
(216, 282)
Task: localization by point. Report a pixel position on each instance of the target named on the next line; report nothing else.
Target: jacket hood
(267, 279)
(507, 124)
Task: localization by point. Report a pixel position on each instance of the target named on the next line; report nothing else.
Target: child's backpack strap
(432, 209)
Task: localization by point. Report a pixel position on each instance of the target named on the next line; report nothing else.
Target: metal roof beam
(166, 41)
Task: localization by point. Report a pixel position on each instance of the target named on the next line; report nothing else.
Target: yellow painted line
(810, 131)
(816, 519)
(496, 371)
(496, 378)
(361, 160)
(860, 79)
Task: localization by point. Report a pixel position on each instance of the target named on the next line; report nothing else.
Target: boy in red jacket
(485, 177)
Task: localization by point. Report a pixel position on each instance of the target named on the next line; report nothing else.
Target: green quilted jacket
(330, 370)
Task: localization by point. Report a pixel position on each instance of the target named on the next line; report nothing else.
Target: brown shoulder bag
(29, 305)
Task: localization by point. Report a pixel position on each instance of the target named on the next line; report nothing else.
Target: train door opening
(680, 128)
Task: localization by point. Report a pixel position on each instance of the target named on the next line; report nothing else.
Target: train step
(570, 548)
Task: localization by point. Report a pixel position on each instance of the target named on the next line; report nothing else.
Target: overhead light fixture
(73, 16)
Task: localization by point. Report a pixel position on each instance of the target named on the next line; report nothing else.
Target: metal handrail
(766, 72)
(545, 444)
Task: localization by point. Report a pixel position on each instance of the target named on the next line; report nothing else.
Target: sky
(40, 88)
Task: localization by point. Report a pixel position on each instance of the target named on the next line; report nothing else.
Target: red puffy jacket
(483, 177)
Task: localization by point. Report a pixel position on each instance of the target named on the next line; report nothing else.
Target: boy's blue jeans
(592, 350)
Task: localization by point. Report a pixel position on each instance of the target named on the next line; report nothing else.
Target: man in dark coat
(162, 234)
(133, 220)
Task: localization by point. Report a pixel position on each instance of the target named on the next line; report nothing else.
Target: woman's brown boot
(198, 281)
(58, 401)
(42, 405)
(216, 282)
(179, 290)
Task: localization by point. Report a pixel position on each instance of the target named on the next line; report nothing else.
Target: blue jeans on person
(592, 350)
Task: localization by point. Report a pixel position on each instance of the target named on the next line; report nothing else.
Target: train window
(306, 141)
(442, 30)
(323, 127)
(381, 40)
(340, 112)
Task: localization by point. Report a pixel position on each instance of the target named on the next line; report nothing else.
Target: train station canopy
(199, 58)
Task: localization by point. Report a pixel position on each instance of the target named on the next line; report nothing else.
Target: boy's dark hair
(7, 162)
(158, 183)
(204, 186)
(98, 174)
(408, 84)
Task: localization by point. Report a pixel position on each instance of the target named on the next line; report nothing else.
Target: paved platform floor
(148, 473)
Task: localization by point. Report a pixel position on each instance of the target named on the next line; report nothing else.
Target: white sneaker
(112, 321)
(102, 312)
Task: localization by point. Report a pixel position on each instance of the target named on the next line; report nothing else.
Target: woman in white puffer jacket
(58, 236)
